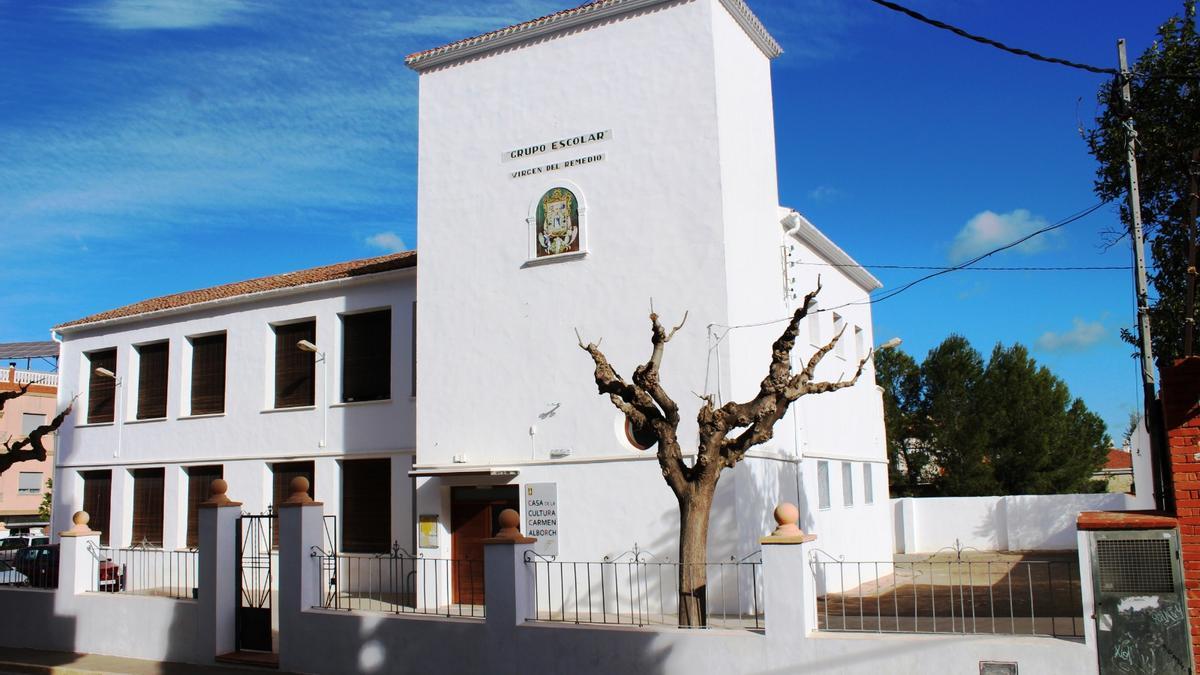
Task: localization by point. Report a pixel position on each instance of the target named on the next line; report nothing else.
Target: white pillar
(301, 529)
(789, 590)
(77, 567)
(218, 575)
(1087, 593)
(508, 590)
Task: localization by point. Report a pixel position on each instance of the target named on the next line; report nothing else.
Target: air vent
(1139, 566)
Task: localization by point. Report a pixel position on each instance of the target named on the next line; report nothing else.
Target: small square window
(868, 484)
(29, 483)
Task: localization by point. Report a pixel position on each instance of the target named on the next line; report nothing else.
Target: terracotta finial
(217, 491)
(510, 530)
(787, 530)
(299, 488)
(79, 525)
(80, 522)
(787, 517)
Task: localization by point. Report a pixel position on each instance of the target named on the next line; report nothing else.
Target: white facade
(668, 105)
(681, 209)
(251, 434)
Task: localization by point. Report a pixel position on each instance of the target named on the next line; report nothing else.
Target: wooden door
(470, 524)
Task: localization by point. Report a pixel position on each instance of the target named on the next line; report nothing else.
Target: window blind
(101, 388)
(97, 497)
(208, 374)
(295, 369)
(366, 356)
(200, 480)
(148, 507)
(366, 505)
(152, 381)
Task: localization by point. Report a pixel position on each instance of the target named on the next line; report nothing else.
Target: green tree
(47, 501)
(1165, 95)
(952, 430)
(900, 377)
(1038, 439)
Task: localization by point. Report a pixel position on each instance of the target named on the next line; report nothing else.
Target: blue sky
(153, 146)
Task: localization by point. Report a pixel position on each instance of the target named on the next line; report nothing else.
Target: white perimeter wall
(1013, 523)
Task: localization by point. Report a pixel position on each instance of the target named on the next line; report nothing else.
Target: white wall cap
(806, 232)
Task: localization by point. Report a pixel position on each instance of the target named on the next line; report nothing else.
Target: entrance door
(474, 516)
(1141, 619)
(253, 629)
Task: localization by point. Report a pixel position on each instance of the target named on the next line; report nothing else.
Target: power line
(994, 43)
(940, 271)
(1086, 268)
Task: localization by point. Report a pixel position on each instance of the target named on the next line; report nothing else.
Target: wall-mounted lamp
(890, 344)
(120, 418)
(306, 346)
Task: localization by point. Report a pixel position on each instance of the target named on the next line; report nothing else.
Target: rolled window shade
(366, 505)
(295, 369)
(367, 356)
(208, 374)
(152, 380)
(97, 500)
(200, 480)
(148, 507)
(101, 388)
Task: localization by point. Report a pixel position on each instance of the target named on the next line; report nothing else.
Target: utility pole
(1189, 317)
(1164, 493)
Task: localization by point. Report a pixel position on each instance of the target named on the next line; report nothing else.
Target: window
(282, 474)
(366, 505)
(30, 422)
(814, 324)
(860, 350)
(367, 356)
(29, 483)
(868, 485)
(152, 381)
(97, 497)
(847, 484)
(101, 388)
(839, 326)
(208, 374)
(295, 369)
(148, 507)
(200, 480)
(823, 485)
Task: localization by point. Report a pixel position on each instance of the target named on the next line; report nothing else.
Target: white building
(571, 170)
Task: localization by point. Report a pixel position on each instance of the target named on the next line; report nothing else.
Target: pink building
(23, 485)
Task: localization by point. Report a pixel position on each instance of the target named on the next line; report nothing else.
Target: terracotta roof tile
(500, 31)
(1119, 459)
(343, 270)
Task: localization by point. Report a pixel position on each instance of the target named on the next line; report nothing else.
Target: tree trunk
(693, 554)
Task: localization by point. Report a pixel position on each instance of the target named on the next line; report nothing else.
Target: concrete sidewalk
(65, 663)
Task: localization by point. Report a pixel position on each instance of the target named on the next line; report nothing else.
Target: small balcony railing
(14, 376)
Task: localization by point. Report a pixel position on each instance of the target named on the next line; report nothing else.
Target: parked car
(40, 565)
(11, 577)
(10, 545)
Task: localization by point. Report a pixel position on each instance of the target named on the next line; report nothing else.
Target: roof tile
(343, 270)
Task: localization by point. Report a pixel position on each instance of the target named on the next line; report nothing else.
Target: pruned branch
(8, 395)
(32, 448)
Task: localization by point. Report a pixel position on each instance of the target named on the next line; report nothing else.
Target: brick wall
(1181, 414)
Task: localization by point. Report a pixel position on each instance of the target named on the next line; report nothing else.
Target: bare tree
(30, 448)
(650, 410)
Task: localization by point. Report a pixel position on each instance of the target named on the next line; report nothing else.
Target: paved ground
(63, 663)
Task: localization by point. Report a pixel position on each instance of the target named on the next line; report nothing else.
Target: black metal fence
(1026, 597)
(634, 589)
(145, 571)
(400, 583)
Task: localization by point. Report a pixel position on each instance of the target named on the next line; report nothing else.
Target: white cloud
(163, 14)
(1082, 336)
(824, 193)
(388, 241)
(989, 230)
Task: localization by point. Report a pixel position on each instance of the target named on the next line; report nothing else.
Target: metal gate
(1141, 618)
(255, 582)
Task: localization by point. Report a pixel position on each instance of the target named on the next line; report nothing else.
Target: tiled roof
(343, 270)
(1118, 459)
(588, 11)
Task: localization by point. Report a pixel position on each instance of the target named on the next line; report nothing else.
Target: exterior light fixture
(890, 344)
(306, 346)
(106, 373)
